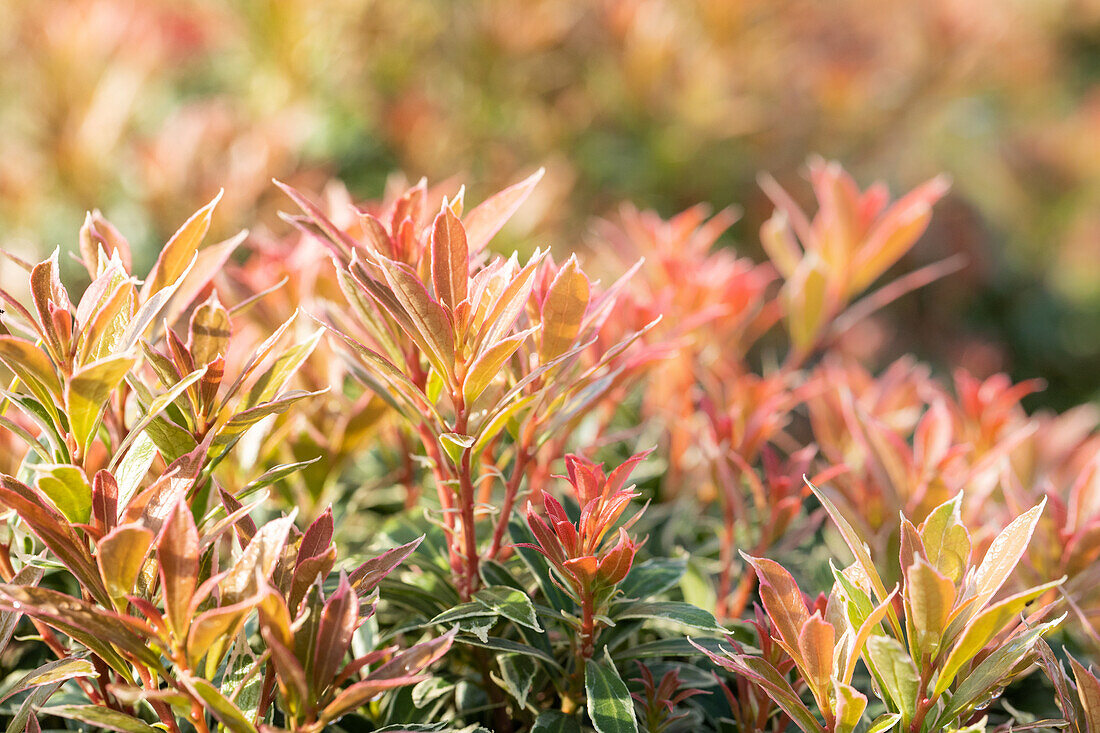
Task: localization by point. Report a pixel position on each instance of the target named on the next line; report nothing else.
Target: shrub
(165, 437)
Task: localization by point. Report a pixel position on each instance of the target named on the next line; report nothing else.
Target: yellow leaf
(88, 391)
(120, 556)
(930, 597)
(180, 250)
(562, 311)
(981, 629)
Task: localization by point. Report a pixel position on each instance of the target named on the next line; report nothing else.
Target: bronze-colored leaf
(334, 631)
(487, 218)
(208, 331)
(782, 599)
(450, 258)
(55, 532)
(178, 555)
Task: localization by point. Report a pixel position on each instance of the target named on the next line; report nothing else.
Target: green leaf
(859, 603)
(517, 672)
(284, 367)
(33, 367)
(494, 573)
(231, 432)
(946, 541)
(170, 439)
(226, 712)
(859, 550)
(102, 718)
(678, 611)
(850, 704)
(510, 603)
(538, 566)
(492, 427)
(19, 721)
(884, 723)
(454, 444)
(930, 597)
(59, 670)
(991, 674)
(652, 577)
(486, 367)
(664, 648)
(67, 487)
(555, 721)
(42, 450)
(610, 706)
(132, 469)
(429, 690)
(896, 671)
(507, 645)
(238, 683)
(55, 532)
(270, 476)
(87, 392)
(152, 411)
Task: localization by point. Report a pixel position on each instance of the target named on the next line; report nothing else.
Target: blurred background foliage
(144, 109)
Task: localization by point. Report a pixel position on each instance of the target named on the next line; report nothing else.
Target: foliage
(308, 483)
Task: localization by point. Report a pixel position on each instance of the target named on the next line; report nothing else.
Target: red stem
(511, 491)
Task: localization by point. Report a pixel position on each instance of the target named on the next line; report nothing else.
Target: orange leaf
(178, 553)
(563, 310)
(782, 599)
(450, 258)
(487, 218)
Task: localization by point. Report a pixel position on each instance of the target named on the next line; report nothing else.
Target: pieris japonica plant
(351, 476)
(465, 345)
(939, 646)
(156, 572)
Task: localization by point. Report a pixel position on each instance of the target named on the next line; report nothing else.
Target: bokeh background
(145, 109)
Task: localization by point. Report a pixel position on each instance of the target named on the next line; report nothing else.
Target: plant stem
(511, 491)
(472, 558)
(924, 704)
(159, 706)
(586, 645)
(443, 489)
